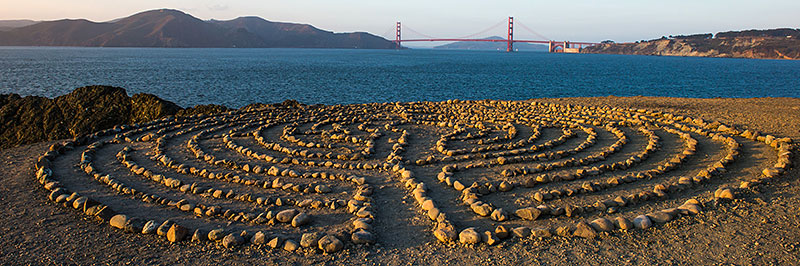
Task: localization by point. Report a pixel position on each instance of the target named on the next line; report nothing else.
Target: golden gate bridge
(553, 46)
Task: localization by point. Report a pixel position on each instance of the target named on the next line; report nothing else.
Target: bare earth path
(761, 226)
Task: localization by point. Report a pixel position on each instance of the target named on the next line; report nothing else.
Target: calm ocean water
(236, 77)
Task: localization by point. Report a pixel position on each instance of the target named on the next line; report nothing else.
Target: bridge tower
(397, 37)
(510, 34)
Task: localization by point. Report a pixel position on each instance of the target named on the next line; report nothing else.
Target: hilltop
(764, 44)
(173, 28)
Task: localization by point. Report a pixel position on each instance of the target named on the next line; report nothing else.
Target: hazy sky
(576, 20)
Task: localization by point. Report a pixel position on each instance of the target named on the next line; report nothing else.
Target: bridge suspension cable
(532, 31)
(389, 33)
(502, 22)
(407, 28)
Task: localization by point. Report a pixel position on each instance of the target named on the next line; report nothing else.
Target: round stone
(445, 232)
(521, 232)
(362, 237)
(216, 234)
(330, 244)
(310, 239)
(502, 232)
(150, 227)
(286, 216)
(290, 245)
(623, 223)
(301, 219)
(119, 221)
(642, 222)
(232, 240)
(602, 225)
(469, 236)
(177, 233)
(724, 193)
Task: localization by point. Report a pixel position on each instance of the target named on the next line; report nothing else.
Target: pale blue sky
(576, 20)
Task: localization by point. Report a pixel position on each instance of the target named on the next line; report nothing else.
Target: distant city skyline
(578, 20)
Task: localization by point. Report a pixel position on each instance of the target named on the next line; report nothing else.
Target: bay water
(237, 77)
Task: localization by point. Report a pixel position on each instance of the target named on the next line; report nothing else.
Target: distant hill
(764, 44)
(172, 28)
(492, 45)
(6, 25)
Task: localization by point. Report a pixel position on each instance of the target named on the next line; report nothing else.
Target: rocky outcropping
(32, 119)
(763, 47)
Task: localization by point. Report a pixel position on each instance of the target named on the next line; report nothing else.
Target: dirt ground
(760, 227)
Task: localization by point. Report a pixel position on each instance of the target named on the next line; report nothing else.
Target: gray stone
(164, 227)
(692, 209)
(300, 219)
(232, 240)
(150, 227)
(362, 237)
(602, 225)
(330, 244)
(310, 239)
(521, 232)
(134, 225)
(660, 217)
(199, 235)
(216, 234)
(623, 223)
(286, 216)
(642, 222)
(361, 224)
(490, 238)
(502, 232)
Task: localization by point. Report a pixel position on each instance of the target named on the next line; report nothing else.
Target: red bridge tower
(510, 34)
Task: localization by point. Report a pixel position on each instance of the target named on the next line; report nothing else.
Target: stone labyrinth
(478, 172)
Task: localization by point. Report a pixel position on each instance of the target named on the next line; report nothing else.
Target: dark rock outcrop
(32, 119)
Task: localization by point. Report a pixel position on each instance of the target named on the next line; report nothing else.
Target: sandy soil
(762, 226)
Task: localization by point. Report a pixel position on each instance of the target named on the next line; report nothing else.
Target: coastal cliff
(32, 119)
(762, 44)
